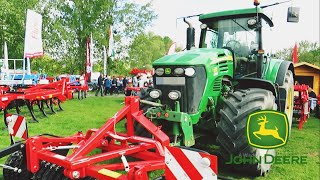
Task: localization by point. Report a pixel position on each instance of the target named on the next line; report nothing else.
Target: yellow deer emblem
(265, 132)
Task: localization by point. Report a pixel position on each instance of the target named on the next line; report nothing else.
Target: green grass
(94, 111)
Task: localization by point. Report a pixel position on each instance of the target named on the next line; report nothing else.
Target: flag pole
(105, 60)
(91, 51)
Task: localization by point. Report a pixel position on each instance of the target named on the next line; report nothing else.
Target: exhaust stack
(190, 35)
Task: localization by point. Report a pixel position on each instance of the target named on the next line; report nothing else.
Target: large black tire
(286, 97)
(17, 159)
(232, 139)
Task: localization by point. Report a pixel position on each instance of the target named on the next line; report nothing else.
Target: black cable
(274, 4)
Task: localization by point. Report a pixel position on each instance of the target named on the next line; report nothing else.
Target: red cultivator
(301, 107)
(41, 95)
(81, 89)
(139, 155)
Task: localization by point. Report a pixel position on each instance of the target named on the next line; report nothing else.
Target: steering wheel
(234, 45)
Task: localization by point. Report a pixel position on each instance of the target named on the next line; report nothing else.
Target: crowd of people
(108, 85)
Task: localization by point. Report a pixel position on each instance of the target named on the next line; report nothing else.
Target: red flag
(295, 54)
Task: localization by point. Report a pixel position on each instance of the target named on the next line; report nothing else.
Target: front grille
(191, 90)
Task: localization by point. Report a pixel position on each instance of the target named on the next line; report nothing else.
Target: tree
(307, 52)
(47, 65)
(70, 23)
(146, 48)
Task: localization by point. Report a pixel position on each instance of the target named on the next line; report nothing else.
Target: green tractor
(208, 92)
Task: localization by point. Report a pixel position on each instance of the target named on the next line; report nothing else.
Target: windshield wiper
(211, 30)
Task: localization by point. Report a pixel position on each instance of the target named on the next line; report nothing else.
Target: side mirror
(293, 14)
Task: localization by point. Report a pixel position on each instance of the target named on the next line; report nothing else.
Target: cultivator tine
(5, 112)
(47, 104)
(51, 106)
(41, 108)
(18, 110)
(59, 104)
(79, 94)
(30, 107)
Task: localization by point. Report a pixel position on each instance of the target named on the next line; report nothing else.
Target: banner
(33, 39)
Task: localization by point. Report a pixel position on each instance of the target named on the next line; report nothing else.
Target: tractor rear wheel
(286, 97)
(18, 160)
(232, 137)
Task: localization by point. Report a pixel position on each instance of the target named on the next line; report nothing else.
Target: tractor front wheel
(232, 136)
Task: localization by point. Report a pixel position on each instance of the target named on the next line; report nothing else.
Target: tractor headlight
(178, 71)
(189, 71)
(174, 95)
(155, 94)
(159, 71)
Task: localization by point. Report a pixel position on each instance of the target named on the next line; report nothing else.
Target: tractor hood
(200, 56)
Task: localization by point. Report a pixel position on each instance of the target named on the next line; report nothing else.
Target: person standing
(312, 99)
(100, 85)
(107, 85)
(117, 86)
(140, 82)
(135, 81)
(150, 81)
(113, 84)
(124, 84)
(82, 81)
(120, 84)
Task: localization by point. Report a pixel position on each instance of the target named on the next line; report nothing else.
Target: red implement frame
(146, 154)
(39, 92)
(74, 86)
(301, 104)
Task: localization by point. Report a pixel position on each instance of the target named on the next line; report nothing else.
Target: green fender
(275, 70)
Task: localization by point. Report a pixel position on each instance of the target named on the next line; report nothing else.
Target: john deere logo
(167, 71)
(267, 129)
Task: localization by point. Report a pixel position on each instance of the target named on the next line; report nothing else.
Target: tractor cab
(239, 31)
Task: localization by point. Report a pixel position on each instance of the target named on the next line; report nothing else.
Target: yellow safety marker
(109, 173)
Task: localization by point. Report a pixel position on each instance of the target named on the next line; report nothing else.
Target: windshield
(240, 37)
(233, 33)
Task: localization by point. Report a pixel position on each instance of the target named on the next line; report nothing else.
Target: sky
(283, 34)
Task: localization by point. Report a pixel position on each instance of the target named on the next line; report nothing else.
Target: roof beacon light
(256, 2)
